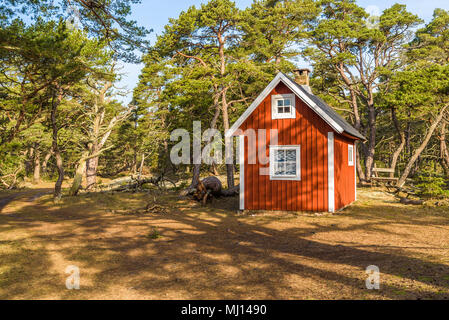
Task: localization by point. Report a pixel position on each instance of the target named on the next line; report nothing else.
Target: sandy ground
(214, 252)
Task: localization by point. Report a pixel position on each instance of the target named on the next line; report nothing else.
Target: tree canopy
(60, 115)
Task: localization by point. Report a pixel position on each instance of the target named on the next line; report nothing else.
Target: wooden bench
(387, 180)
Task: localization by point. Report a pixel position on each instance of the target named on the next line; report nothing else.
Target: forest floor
(185, 251)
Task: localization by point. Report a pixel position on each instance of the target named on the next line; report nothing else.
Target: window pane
(279, 169)
(280, 103)
(291, 169)
(285, 163)
(280, 110)
(286, 109)
(280, 156)
(291, 155)
(287, 102)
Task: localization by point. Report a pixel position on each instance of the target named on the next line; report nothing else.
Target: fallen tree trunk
(234, 191)
(211, 187)
(133, 183)
(412, 202)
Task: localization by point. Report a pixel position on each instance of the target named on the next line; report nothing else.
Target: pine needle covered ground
(159, 246)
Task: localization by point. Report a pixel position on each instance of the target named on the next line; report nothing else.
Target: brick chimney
(302, 78)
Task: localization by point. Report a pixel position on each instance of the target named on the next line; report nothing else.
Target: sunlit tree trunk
(45, 161)
(79, 173)
(224, 109)
(37, 165)
(400, 148)
(443, 149)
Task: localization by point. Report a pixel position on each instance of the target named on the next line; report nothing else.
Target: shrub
(154, 234)
(431, 186)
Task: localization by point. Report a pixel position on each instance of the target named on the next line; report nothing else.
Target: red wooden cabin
(312, 165)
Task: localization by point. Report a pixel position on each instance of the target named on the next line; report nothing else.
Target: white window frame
(274, 106)
(297, 177)
(350, 155)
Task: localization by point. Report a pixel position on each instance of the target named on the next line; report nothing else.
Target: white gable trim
(281, 77)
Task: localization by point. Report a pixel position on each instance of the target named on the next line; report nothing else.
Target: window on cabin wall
(350, 155)
(285, 162)
(283, 106)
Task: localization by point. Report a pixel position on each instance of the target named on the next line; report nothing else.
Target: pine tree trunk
(228, 143)
(91, 172)
(78, 179)
(196, 176)
(37, 166)
(213, 125)
(400, 148)
(59, 162)
(142, 163)
(45, 162)
(371, 143)
(421, 148)
(444, 150)
(224, 109)
(359, 168)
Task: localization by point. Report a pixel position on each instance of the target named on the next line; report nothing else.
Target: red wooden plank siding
(263, 181)
(295, 192)
(309, 193)
(275, 184)
(257, 185)
(310, 132)
(344, 174)
(300, 108)
(269, 201)
(316, 166)
(314, 162)
(300, 130)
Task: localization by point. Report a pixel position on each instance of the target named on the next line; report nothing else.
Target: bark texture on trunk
(369, 162)
(78, 179)
(196, 176)
(45, 161)
(37, 165)
(400, 148)
(91, 172)
(444, 150)
(142, 163)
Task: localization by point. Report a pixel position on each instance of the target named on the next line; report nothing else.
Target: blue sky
(155, 14)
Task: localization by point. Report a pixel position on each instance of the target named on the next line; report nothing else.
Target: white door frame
(242, 171)
(331, 171)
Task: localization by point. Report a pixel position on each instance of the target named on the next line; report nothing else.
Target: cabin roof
(329, 115)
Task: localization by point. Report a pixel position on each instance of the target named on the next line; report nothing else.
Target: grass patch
(154, 234)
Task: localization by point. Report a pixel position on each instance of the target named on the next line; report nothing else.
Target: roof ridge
(327, 113)
(335, 115)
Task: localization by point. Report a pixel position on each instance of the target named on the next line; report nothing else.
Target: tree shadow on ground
(206, 253)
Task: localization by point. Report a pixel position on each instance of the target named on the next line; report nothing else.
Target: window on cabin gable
(285, 162)
(350, 155)
(283, 106)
